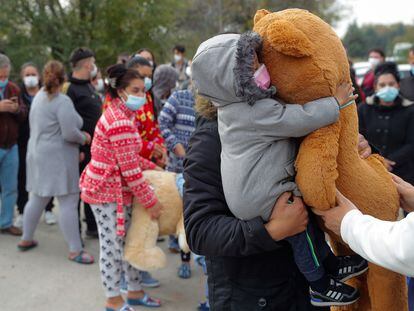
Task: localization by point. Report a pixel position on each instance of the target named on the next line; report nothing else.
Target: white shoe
(50, 218)
(19, 221)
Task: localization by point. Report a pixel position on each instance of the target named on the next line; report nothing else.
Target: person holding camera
(12, 112)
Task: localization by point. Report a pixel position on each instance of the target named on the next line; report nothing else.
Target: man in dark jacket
(247, 269)
(407, 84)
(88, 104)
(12, 112)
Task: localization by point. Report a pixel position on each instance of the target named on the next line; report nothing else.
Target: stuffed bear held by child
(306, 61)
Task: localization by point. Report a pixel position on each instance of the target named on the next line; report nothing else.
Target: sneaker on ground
(350, 266)
(184, 270)
(19, 221)
(203, 306)
(148, 281)
(173, 244)
(50, 218)
(337, 294)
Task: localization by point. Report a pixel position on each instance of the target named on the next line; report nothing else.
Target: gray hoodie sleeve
(272, 118)
(69, 122)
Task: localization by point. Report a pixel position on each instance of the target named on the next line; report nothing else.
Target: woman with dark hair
(52, 162)
(147, 124)
(387, 121)
(112, 179)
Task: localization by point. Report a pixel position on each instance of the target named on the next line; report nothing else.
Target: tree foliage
(360, 39)
(38, 30)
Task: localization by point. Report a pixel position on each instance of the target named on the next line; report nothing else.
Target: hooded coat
(256, 131)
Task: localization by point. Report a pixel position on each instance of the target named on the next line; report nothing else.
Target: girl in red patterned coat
(112, 179)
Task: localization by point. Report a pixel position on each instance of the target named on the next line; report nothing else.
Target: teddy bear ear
(259, 15)
(287, 39)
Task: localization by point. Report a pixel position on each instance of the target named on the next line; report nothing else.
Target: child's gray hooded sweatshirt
(256, 132)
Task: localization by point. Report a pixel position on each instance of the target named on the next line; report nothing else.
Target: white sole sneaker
(50, 218)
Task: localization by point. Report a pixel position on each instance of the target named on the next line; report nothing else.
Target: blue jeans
(9, 167)
(309, 250)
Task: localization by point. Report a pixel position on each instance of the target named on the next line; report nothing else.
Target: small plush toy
(140, 249)
(306, 61)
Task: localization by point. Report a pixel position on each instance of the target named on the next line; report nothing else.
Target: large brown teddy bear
(306, 61)
(140, 249)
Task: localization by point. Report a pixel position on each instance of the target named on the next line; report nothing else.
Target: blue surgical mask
(148, 83)
(4, 83)
(135, 102)
(387, 94)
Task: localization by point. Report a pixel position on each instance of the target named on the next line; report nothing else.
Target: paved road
(43, 279)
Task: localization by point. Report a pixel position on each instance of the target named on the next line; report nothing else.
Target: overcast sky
(377, 11)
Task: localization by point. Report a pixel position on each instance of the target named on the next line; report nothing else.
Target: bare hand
(6, 105)
(160, 154)
(158, 151)
(287, 219)
(333, 217)
(88, 138)
(406, 192)
(345, 93)
(389, 164)
(364, 148)
(179, 150)
(81, 157)
(155, 211)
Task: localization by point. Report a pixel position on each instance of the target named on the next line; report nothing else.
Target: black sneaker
(350, 266)
(337, 294)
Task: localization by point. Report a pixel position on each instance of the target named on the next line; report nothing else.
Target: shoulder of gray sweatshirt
(258, 134)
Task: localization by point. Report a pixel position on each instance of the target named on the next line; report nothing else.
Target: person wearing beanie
(88, 104)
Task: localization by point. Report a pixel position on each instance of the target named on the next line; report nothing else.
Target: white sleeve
(385, 243)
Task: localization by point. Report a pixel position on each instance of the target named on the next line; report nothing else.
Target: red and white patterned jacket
(115, 172)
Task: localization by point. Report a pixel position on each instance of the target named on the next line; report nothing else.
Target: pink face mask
(262, 77)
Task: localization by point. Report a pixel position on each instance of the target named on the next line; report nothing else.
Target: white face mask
(373, 61)
(94, 71)
(100, 86)
(31, 81)
(177, 57)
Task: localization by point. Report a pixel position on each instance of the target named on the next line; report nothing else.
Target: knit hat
(79, 54)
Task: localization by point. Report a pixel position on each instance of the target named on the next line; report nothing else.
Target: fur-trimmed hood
(222, 69)
(205, 108)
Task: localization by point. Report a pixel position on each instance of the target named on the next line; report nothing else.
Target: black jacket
(24, 129)
(407, 87)
(247, 270)
(86, 101)
(88, 104)
(391, 131)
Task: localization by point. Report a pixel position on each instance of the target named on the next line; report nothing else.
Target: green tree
(38, 30)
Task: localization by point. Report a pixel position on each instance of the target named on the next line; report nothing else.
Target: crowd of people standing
(56, 125)
(83, 139)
